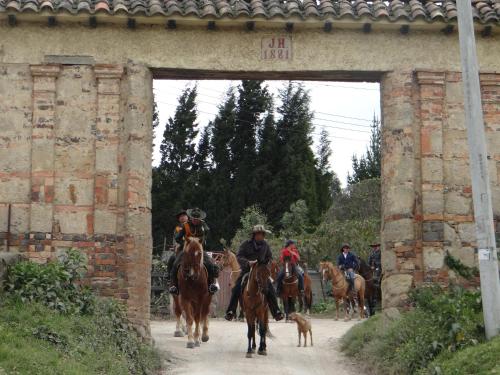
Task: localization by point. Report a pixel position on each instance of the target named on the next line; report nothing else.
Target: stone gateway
(76, 107)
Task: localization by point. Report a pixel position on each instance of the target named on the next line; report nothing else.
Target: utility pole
(481, 191)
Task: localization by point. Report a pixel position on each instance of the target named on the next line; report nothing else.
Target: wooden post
(481, 191)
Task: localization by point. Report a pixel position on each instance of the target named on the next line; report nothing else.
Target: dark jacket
(347, 262)
(374, 260)
(200, 231)
(249, 250)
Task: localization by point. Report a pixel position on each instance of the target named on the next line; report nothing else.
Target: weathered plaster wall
(75, 139)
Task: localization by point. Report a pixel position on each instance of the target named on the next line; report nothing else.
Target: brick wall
(75, 166)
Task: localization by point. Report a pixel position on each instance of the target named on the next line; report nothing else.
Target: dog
(303, 326)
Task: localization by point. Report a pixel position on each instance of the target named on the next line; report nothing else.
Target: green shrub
(54, 284)
(441, 322)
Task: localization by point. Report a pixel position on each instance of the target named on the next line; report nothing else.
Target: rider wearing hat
(194, 227)
(255, 249)
(291, 253)
(182, 218)
(347, 262)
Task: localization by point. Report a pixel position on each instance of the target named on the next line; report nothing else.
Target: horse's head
(288, 269)
(192, 261)
(261, 274)
(275, 269)
(326, 269)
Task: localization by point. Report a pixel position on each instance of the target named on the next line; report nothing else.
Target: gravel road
(225, 352)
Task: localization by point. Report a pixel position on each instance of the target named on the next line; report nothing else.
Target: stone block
(72, 221)
(41, 217)
(399, 199)
(457, 172)
(433, 258)
(457, 204)
(432, 202)
(399, 230)
(467, 232)
(395, 289)
(104, 221)
(74, 191)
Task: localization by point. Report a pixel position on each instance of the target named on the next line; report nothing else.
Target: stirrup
(213, 288)
(173, 290)
(229, 315)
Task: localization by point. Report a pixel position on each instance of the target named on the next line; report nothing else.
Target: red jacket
(291, 252)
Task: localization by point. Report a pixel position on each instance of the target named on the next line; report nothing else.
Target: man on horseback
(348, 262)
(194, 227)
(182, 219)
(290, 253)
(375, 261)
(256, 249)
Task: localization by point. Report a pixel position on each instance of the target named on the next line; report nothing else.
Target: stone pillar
(399, 180)
(431, 95)
(42, 158)
(137, 168)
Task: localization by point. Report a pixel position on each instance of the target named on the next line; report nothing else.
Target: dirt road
(225, 352)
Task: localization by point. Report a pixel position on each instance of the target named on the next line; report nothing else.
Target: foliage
(35, 340)
(442, 321)
(369, 165)
(295, 222)
(252, 215)
(54, 285)
(456, 265)
(358, 201)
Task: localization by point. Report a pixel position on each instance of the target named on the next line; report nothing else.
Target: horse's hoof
(336, 319)
(197, 344)
(249, 355)
(178, 334)
(204, 338)
(190, 345)
(262, 352)
(253, 350)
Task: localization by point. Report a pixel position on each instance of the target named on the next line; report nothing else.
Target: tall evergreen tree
(253, 101)
(297, 173)
(369, 165)
(328, 184)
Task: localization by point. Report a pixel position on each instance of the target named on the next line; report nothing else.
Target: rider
(291, 252)
(255, 249)
(194, 227)
(347, 262)
(182, 219)
(374, 260)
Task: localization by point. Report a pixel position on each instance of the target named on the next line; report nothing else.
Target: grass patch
(35, 339)
(442, 323)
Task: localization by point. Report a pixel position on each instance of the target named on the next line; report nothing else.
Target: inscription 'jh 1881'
(276, 48)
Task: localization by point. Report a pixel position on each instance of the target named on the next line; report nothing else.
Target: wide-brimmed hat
(259, 228)
(196, 213)
(345, 245)
(180, 212)
(375, 244)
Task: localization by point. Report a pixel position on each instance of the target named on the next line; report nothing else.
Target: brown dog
(303, 326)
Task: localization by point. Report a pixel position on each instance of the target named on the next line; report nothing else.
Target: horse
(256, 306)
(180, 327)
(289, 289)
(275, 270)
(193, 291)
(340, 287)
(229, 260)
(371, 290)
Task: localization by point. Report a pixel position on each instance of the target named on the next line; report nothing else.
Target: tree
(369, 165)
(296, 221)
(328, 184)
(155, 119)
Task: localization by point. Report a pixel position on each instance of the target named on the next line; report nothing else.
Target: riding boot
(273, 303)
(174, 287)
(170, 265)
(213, 273)
(233, 302)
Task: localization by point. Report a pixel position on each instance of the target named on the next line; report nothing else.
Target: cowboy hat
(196, 213)
(344, 245)
(375, 244)
(259, 228)
(180, 212)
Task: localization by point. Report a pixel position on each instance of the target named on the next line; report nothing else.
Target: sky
(344, 109)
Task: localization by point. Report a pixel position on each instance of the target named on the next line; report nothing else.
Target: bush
(53, 284)
(441, 322)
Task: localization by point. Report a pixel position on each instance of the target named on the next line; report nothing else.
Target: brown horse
(256, 306)
(275, 269)
(229, 260)
(308, 294)
(372, 291)
(340, 287)
(289, 289)
(193, 287)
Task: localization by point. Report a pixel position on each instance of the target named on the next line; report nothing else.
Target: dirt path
(225, 352)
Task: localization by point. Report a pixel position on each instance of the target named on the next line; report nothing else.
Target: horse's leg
(197, 326)
(300, 335)
(204, 318)
(189, 321)
(262, 334)
(178, 315)
(250, 335)
(305, 339)
(347, 312)
(361, 299)
(311, 335)
(337, 307)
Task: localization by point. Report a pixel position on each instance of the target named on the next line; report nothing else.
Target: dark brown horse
(372, 291)
(256, 306)
(308, 294)
(193, 287)
(289, 289)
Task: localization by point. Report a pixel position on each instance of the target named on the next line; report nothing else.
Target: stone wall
(75, 168)
(427, 193)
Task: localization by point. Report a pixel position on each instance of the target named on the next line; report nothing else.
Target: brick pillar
(399, 181)
(137, 169)
(42, 158)
(431, 95)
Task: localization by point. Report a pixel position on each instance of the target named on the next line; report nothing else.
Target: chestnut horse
(340, 287)
(229, 260)
(289, 289)
(308, 294)
(256, 306)
(193, 288)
